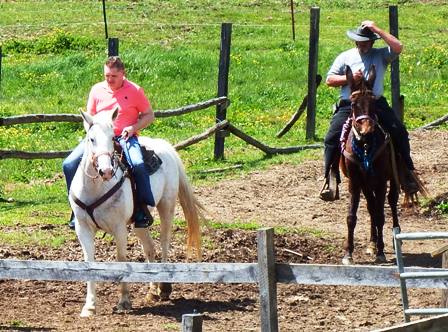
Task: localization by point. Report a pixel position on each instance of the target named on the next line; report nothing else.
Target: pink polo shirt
(130, 100)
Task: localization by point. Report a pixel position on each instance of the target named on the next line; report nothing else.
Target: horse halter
(357, 119)
(94, 161)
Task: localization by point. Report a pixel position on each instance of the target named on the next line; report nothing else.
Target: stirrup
(143, 218)
(329, 194)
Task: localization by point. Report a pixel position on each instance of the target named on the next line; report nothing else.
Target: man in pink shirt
(134, 113)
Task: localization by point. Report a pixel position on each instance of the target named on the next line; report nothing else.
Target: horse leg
(86, 238)
(148, 248)
(379, 222)
(371, 207)
(166, 208)
(392, 198)
(121, 239)
(351, 224)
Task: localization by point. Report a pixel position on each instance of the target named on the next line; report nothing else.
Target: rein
(91, 208)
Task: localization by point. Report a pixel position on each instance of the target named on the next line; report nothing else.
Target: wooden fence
(221, 127)
(265, 272)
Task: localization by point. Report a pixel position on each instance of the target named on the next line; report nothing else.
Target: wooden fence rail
(37, 118)
(227, 273)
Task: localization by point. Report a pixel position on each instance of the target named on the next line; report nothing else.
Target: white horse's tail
(192, 210)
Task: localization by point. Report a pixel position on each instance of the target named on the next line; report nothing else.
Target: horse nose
(106, 174)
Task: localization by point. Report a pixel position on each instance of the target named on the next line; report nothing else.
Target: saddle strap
(90, 208)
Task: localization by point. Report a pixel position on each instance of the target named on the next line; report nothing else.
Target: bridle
(367, 93)
(115, 160)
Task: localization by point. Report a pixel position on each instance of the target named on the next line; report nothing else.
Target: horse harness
(152, 163)
(90, 208)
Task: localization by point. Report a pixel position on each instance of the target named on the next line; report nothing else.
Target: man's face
(364, 46)
(114, 77)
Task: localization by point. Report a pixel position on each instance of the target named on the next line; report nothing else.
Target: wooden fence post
(192, 322)
(1, 55)
(267, 280)
(312, 72)
(113, 46)
(223, 86)
(293, 24)
(105, 20)
(395, 66)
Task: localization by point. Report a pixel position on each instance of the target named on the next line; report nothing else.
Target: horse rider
(134, 113)
(360, 58)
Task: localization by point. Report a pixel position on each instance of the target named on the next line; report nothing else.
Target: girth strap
(90, 208)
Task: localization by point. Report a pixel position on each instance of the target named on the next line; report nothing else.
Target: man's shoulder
(131, 85)
(99, 86)
(347, 54)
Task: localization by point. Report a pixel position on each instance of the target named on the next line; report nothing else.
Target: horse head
(362, 101)
(100, 141)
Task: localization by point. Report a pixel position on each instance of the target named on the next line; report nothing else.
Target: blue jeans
(133, 154)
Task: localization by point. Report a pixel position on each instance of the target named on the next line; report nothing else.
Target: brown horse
(367, 163)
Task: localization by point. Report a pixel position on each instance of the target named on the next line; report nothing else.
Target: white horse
(98, 173)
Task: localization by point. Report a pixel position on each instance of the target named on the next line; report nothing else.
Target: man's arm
(144, 121)
(340, 80)
(395, 45)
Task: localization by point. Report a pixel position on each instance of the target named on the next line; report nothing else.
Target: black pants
(387, 119)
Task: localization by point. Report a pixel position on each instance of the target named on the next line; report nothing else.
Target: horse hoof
(347, 260)
(381, 259)
(124, 306)
(371, 250)
(88, 312)
(165, 290)
(151, 297)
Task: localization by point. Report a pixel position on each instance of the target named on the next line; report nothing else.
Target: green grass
(54, 51)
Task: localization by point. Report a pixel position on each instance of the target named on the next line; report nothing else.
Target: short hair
(115, 62)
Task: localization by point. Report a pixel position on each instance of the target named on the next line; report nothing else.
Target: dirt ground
(283, 195)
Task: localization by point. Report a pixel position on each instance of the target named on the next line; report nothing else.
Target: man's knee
(332, 138)
(69, 166)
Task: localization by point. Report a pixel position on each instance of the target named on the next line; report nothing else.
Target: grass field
(54, 51)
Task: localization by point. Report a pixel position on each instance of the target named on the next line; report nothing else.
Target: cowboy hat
(362, 33)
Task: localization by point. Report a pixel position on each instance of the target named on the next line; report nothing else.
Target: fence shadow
(178, 307)
(422, 260)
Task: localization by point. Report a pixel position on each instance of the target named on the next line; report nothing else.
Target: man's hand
(128, 131)
(357, 76)
(371, 25)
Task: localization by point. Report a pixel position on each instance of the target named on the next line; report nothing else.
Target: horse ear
(372, 76)
(349, 76)
(88, 120)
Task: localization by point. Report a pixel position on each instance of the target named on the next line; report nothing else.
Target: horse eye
(92, 140)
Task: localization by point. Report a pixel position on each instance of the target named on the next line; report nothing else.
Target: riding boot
(407, 180)
(71, 223)
(143, 217)
(330, 189)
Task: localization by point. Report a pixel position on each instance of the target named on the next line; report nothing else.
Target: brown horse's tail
(193, 213)
(410, 200)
